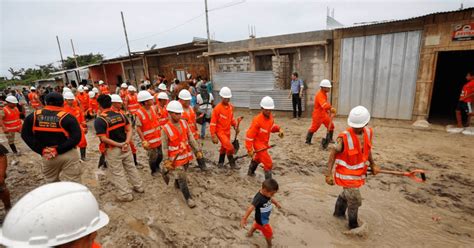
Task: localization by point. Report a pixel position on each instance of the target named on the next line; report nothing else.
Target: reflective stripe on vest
(350, 142)
(349, 177)
(351, 167)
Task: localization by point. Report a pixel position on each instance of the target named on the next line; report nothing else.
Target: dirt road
(396, 212)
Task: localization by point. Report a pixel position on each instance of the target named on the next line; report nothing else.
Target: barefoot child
(262, 204)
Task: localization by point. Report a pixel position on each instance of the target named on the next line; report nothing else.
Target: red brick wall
(96, 73)
(113, 70)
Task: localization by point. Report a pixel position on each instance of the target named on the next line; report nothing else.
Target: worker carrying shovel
(351, 154)
(321, 113)
(258, 137)
(222, 120)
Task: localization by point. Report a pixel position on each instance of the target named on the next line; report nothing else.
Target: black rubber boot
(232, 163)
(13, 147)
(352, 213)
(176, 184)
(83, 153)
(135, 159)
(330, 136)
(340, 208)
(309, 137)
(252, 167)
(183, 186)
(202, 164)
(268, 174)
(220, 164)
(102, 161)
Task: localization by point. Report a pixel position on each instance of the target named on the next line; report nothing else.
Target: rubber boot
(83, 153)
(252, 167)
(340, 208)
(330, 136)
(309, 137)
(202, 164)
(220, 164)
(13, 147)
(268, 174)
(102, 161)
(135, 160)
(232, 163)
(183, 186)
(352, 213)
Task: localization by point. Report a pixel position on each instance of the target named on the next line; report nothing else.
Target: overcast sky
(29, 28)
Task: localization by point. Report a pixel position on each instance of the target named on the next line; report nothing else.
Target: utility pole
(62, 60)
(128, 47)
(74, 54)
(208, 37)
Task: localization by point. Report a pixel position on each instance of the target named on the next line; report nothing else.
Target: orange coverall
(221, 121)
(320, 112)
(258, 137)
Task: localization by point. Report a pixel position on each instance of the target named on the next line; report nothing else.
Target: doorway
(451, 70)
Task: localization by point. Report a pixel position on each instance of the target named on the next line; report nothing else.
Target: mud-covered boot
(83, 154)
(102, 162)
(183, 186)
(135, 161)
(252, 167)
(220, 164)
(202, 164)
(309, 137)
(340, 208)
(352, 213)
(268, 174)
(232, 163)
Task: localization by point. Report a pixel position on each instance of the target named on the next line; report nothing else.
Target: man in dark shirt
(4, 192)
(54, 134)
(115, 133)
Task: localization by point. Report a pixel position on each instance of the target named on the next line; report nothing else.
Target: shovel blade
(236, 145)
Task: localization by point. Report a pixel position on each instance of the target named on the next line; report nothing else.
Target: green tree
(16, 74)
(83, 60)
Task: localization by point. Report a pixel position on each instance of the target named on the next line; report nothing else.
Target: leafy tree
(16, 73)
(83, 60)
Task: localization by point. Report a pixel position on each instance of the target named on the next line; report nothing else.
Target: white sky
(28, 28)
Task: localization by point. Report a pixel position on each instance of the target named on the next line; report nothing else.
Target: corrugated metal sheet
(239, 99)
(244, 81)
(280, 97)
(379, 72)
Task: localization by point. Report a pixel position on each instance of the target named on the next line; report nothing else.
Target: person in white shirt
(205, 100)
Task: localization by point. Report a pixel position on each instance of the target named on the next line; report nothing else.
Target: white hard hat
(358, 117)
(144, 95)
(267, 103)
(91, 94)
(80, 88)
(11, 99)
(163, 95)
(52, 215)
(66, 89)
(32, 88)
(68, 96)
(188, 76)
(116, 98)
(175, 107)
(101, 82)
(124, 85)
(131, 88)
(225, 92)
(325, 83)
(162, 86)
(146, 83)
(86, 88)
(184, 95)
(95, 90)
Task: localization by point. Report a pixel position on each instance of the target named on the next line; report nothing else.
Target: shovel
(235, 143)
(325, 141)
(164, 174)
(416, 175)
(257, 151)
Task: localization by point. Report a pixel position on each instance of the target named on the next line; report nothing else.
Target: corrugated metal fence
(379, 72)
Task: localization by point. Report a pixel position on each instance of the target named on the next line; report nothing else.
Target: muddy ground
(396, 212)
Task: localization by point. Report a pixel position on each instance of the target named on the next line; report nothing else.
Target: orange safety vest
(11, 120)
(77, 112)
(179, 150)
(123, 94)
(104, 89)
(150, 127)
(190, 116)
(162, 115)
(93, 105)
(49, 119)
(83, 100)
(258, 134)
(132, 103)
(222, 119)
(112, 124)
(352, 162)
(33, 96)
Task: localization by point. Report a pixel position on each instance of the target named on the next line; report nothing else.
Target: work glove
(214, 139)
(375, 169)
(329, 180)
(145, 145)
(251, 153)
(281, 134)
(333, 110)
(199, 155)
(168, 164)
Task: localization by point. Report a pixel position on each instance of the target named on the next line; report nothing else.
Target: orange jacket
(467, 89)
(352, 162)
(83, 99)
(11, 120)
(132, 103)
(93, 105)
(190, 116)
(258, 134)
(104, 89)
(163, 114)
(34, 100)
(179, 149)
(222, 119)
(150, 126)
(123, 94)
(321, 104)
(76, 112)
